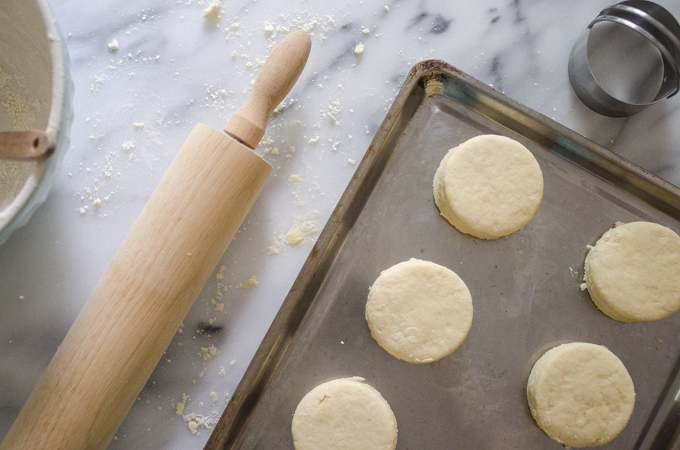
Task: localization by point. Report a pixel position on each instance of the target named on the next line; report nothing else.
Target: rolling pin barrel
(156, 275)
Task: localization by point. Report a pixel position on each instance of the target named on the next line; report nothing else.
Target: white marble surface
(169, 73)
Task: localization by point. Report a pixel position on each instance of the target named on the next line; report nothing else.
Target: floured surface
(344, 414)
(419, 311)
(581, 394)
(633, 272)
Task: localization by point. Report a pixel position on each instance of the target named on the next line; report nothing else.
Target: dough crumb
(213, 10)
(268, 27)
(214, 397)
(220, 275)
(387, 8)
(196, 421)
(251, 282)
(583, 286)
(359, 49)
(302, 227)
(113, 46)
(295, 178)
(351, 161)
(180, 405)
(139, 124)
(280, 107)
(294, 235)
(209, 352)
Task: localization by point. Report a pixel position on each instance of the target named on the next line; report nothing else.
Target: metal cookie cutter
(618, 73)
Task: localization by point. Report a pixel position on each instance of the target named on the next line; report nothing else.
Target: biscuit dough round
(419, 311)
(344, 414)
(489, 186)
(580, 394)
(633, 272)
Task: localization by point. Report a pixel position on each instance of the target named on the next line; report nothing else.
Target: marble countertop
(173, 69)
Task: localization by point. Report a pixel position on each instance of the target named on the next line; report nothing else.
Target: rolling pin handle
(275, 80)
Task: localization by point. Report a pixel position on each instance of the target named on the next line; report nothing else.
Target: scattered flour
(303, 227)
(196, 421)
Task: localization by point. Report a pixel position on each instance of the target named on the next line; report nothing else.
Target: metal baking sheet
(525, 287)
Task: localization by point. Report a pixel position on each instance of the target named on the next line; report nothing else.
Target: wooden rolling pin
(156, 275)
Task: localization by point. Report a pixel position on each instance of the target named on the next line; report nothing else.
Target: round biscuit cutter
(660, 31)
